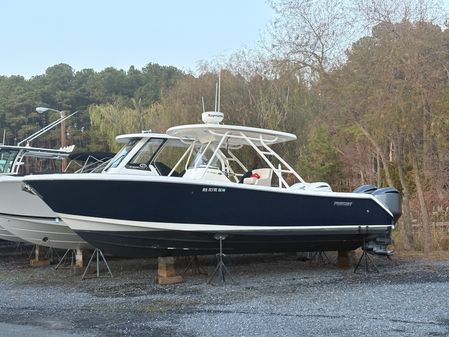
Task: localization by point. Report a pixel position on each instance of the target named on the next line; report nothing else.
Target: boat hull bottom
(176, 243)
(48, 232)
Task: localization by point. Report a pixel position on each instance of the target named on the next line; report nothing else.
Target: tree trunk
(379, 180)
(406, 221)
(379, 151)
(427, 240)
(425, 136)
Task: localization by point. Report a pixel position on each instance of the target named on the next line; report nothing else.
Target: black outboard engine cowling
(391, 198)
(365, 189)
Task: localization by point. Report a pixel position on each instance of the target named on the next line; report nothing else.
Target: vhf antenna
(215, 117)
(218, 93)
(219, 89)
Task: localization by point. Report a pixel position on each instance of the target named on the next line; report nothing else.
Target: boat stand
(34, 250)
(320, 257)
(22, 248)
(193, 267)
(69, 257)
(52, 255)
(97, 253)
(40, 259)
(221, 270)
(367, 261)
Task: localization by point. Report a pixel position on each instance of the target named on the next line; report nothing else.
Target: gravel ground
(272, 295)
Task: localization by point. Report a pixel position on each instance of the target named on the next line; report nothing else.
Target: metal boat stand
(193, 267)
(34, 250)
(97, 253)
(320, 258)
(23, 248)
(50, 255)
(368, 262)
(68, 257)
(221, 270)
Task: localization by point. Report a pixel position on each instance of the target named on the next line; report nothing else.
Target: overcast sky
(36, 34)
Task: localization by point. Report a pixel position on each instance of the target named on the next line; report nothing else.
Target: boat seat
(211, 173)
(260, 177)
(317, 186)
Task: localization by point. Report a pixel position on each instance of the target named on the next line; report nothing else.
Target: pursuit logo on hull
(343, 203)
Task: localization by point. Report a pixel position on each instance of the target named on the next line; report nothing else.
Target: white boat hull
(44, 232)
(5, 235)
(25, 217)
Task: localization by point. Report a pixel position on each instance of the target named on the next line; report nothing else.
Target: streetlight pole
(63, 133)
(61, 120)
(63, 141)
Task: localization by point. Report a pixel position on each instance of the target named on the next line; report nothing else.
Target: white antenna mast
(216, 95)
(219, 89)
(202, 99)
(4, 136)
(214, 117)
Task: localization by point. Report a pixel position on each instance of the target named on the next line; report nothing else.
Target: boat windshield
(122, 153)
(143, 157)
(202, 156)
(7, 157)
(160, 153)
(167, 157)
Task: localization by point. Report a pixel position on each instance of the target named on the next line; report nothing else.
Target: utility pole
(63, 140)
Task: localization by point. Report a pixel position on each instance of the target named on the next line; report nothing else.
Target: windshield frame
(124, 151)
(9, 163)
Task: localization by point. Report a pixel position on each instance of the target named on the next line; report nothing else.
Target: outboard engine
(365, 189)
(391, 198)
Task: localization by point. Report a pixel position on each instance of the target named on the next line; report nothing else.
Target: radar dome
(212, 117)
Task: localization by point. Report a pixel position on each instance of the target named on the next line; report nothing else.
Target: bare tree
(313, 34)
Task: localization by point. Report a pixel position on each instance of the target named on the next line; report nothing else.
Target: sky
(36, 34)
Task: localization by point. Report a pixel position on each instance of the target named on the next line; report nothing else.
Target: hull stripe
(188, 227)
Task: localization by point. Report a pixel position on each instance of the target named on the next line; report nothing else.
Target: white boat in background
(12, 165)
(27, 217)
(16, 206)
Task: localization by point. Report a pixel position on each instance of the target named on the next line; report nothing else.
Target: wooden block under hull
(345, 259)
(169, 280)
(166, 273)
(39, 263)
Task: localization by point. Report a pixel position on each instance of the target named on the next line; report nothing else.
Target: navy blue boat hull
(183, 204)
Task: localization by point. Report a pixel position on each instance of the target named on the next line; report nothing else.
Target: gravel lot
(273, 295)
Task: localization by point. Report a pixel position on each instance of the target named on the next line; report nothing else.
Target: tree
(320, 160)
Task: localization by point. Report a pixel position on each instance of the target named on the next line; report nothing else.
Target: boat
(207, 195)
(24, 216)
(32, 220)
(88, 161)
(12, 165)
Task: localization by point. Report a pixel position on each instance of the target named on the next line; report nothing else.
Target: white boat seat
(260, 177)
(318, 186)
(211, 173)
